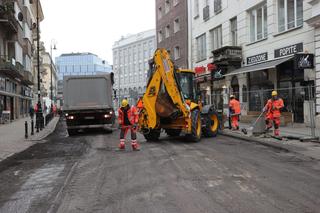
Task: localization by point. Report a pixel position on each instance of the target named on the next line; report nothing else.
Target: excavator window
(187, 86)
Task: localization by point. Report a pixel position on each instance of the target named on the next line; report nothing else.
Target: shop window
(290, 14)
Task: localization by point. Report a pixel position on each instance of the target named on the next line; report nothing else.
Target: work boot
(276, 132)
(122, 145)
(135, 146)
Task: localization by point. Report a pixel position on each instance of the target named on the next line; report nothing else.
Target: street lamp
(52, 46)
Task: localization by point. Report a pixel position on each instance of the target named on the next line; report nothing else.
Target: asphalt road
(87, 173)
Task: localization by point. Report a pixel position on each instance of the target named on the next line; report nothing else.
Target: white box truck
(88, 102)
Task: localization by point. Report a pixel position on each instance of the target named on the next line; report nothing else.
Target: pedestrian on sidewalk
(235, 111)
(128, 120)
(273, 112)
(31, 112)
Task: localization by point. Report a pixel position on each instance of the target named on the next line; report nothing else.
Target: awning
(262, 66)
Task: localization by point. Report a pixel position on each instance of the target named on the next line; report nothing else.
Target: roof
(134, 38)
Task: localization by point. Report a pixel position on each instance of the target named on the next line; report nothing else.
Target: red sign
(200, 70)
(211, 67)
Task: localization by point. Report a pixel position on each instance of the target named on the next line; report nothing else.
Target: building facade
(246, 47)
(172, 29)
(16, 54)
(80, 64)
(130, 64)
(49, 73)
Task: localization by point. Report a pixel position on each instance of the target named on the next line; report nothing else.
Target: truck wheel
(173, 132)
(195, 126)
(211, 124)
(153, 135)
(72, 132)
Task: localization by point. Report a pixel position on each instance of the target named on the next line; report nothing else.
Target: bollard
(37, 124)
(26, 129)
(32, 127)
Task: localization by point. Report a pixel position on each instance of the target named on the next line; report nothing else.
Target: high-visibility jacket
(273, 107)
(235, 106)
(132, 115)
(140, 104)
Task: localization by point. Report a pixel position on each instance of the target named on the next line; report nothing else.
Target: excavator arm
(162, 74)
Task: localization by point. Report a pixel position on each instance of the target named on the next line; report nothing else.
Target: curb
(257, 140)
(47, 133)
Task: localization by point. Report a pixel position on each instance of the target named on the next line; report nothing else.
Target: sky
(93, 26)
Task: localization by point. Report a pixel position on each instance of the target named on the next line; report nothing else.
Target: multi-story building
(172, 29)
(78, 64)
(16, 52)
(49, 76)
(247, 46)
(130, 64)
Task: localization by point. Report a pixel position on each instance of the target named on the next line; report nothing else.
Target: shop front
(285, 73)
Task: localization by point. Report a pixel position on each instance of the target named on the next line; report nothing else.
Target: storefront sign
(289, 50)
(304, 61)
(200, 70)
(257, 58)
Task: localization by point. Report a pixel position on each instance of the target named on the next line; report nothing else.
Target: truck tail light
(71, 117)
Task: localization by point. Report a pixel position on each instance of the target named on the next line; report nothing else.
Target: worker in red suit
(235, 110)
(128, 120)
(273, 112)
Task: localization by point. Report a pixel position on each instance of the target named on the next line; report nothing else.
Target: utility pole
(51, 67)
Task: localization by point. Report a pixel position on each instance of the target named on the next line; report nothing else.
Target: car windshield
(187, 85)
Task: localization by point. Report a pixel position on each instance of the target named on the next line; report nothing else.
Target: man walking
(235, 110)
(128, 120)
(273, 113)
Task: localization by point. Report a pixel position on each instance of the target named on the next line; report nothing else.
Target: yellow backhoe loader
(171, 103)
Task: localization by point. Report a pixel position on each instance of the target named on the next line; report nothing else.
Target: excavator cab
(185, 80)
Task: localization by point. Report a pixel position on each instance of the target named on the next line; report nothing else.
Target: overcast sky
(93, 26)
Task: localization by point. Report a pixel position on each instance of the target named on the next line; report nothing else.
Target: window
(216, 37)
(167, 6)
(196, 8)
(167, 31)
(176, 25)
(160, 36)
(175, 2)
(290, 14)
(201, 47)
(159, 13)
(177, 53)
(234, 31)
(217, 6)
(258, 23)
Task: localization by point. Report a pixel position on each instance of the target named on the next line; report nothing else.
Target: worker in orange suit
(140, 105)
(235, 110)
(128, 120)
(273, 112)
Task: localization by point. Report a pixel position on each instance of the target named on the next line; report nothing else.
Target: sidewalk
(309, 149)
(12, 136)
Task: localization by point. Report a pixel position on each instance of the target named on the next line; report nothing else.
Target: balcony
(11, 67)
(227, 55)
(7, 18)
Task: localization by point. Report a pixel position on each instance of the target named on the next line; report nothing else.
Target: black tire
(195, 135)
(212, 124)
(153, 135)
(173, 132)
(72, 132)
